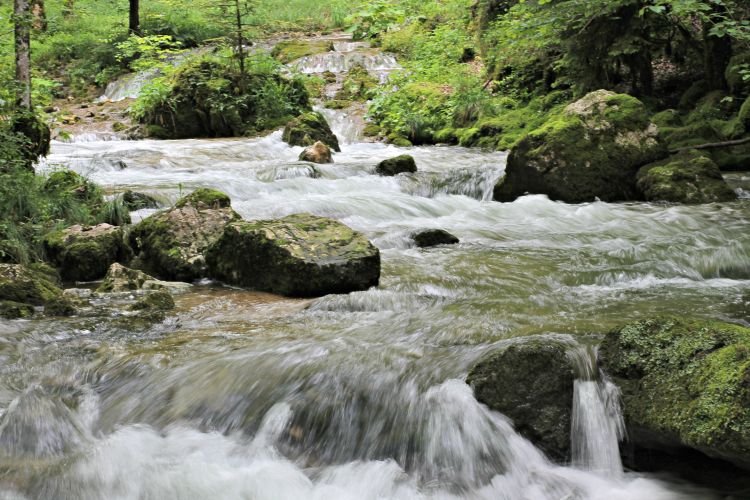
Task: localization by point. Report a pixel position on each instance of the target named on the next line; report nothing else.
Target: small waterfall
(597, 424)
(341, 62)
(346, 124)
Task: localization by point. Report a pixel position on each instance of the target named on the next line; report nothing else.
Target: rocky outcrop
(309, 128)
(84, 253)
(685, 383)
(159, 300)
(299, 255)
(687, 177)
(138, 201)
(122, 279)
(317, 153)
(531, 382)
(397, 165)
(591, 150)
(433, 237)
(172, 244)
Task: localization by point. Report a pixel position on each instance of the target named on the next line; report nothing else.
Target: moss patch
(309, 128)
(291, 50)
(25, 285)
(203, 198)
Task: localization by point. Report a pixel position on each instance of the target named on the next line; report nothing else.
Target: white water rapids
(242, 395)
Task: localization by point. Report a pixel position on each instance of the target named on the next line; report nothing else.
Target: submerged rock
(531, 382)
(84, 253)
(317, 153)
(687, 177)
(60, 306)
(591, 150)
(299, 255)
(397, 165)
(309, 128)
(433, 237)
(684, 383)
(171, 244)
(27, 285)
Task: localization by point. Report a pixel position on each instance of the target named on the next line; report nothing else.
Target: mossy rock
(667, 118)
(299, 255)
(138, 201)
(433, 237)
(358, 85)
(26, 285)
(531, 382)
(397, 165)
(738, 86)
(338, 104)
(159, 300)
(713, 106)
(59, 306)
(122, 279)
(171, 244)
(684, 383)
(203, 198)
(36, 134)
(590, 150)
(744, 115)
(75, 185)
(693, 134)
(309, 128)
(371, 130)
(291, 50)
(399, 140)
(734, 158)
(84, 253)
(687, 177)
(15, 310)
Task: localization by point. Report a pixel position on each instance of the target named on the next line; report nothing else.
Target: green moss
(667, 118)
(399, 140)
(396, 165)
(712, 106)
(358, 85)
(468, 136)
(687, 380)
(159, 300)
(738, 86)
(690, 135)
(205, 198)
(371, 130)
(26, 285)
(338, 104)
(67, 181)
(687, 177)
(15, 310)
(744, 114)
(291, 50)
(59, 306)
(83, 253)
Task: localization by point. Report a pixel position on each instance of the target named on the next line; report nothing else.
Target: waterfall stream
(361, 396)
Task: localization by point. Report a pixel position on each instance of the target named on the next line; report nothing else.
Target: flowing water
(243, 395)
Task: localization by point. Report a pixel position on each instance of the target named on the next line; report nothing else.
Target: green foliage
(377, 17)
(143, 52)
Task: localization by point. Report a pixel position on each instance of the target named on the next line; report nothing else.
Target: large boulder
(84, 253)
(172, 244)
(317, 153)
(531, 382)
(687, 177)
(122, 279)
(27, 285)
(309, 128)
(299, 255)
(592, 149)
(685, 383)
(396, 165)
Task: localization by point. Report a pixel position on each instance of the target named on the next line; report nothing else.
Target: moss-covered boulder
(27, 285)
(299, 255)
(291, 50)
(15, 310)
(309, 128)
(34, 135)
(684, 383)
(172, 244)
(317, 153)
(736, 81)
(358, 85)
(84, 253)
(397, 165)
(531, 382)
(60, 306)
(208, 98)
(687, 177)
(433, 237)
(592, 149)
(77, 186)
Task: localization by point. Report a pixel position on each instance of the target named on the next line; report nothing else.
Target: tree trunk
(717, 51)
(40, 17)
(134, 21)
(22, 32)
(240, 42)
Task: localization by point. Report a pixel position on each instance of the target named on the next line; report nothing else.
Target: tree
(22, 37)
(134, 20)
(238, 11)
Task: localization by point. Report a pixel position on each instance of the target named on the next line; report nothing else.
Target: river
(244, 395)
